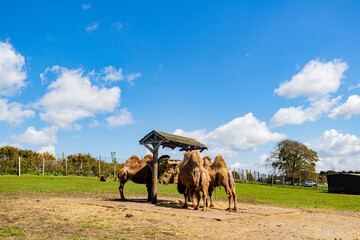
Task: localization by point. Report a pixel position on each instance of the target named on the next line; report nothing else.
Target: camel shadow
(160, 202)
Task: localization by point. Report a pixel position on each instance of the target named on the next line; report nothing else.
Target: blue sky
(95, 77)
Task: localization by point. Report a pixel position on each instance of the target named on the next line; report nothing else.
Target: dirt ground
(105, 217)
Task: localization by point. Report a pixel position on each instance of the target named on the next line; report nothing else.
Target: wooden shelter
(153, 140)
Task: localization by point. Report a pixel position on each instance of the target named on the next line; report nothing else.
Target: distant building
(344, 183)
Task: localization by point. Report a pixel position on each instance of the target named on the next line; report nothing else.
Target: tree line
(74, 164)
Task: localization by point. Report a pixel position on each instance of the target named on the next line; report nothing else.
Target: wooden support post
(19, 165)
(154, 176)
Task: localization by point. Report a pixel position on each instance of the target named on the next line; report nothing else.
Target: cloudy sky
(239, 76)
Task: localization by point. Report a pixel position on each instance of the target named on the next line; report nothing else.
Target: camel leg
(121, 190)
(198, 197)
(186, 198)
(228, 192)
(211, 189)
(148, 187)
(234, 197)
(204, 199)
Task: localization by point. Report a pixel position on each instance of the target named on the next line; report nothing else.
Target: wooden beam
(149, 148)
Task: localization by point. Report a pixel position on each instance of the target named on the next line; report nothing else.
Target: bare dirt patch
(105, 217)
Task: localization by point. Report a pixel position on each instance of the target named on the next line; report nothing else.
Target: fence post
(114, 170)
(43, 166)
(19, 164)
(65, 163)
(99, 166)
(283, 180)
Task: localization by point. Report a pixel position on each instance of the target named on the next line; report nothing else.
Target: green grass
(289, 196)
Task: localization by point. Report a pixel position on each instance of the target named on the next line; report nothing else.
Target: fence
(245, 175)
(17, 161)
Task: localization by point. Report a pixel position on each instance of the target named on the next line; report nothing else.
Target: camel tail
(181, 187)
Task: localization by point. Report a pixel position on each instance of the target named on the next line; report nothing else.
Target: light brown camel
(193, 178)
(136, 171)
(105, 178)
(220, 175)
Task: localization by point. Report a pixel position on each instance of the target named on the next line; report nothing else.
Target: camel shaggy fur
(193, 178)
(220, 175)
(136, 171)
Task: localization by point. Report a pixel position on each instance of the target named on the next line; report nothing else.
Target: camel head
(207, 161)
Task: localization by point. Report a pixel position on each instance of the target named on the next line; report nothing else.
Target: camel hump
(207, 161)
(195, 158)
(219, 162)
(147, 158)
(132, 160)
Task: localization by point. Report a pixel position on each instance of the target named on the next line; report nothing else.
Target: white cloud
(226, 152)
(112, 75)
(199, 135)
(132, 77)
(13, 112)
(47, 149)
(354, 87)
(242, 133)
(85, 6)
(346, 110)
(12, 72)
(117, 25)
(92, 27)
(94, 123)
(33, 137)
(316, 79)
(72, 97)
(341, 151)
(123, 118)
(299, 115)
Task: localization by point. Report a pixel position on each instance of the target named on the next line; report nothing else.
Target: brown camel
(193, 178)
(105, 178)
(220, 175)
(136, 171)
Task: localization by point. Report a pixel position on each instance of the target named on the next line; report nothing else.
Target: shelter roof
(172, 141)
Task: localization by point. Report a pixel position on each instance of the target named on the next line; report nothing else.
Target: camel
(136, 171)
(193, 178)
(220, 175)
(105, 178)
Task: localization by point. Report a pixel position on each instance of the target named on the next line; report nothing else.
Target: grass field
(290, 196)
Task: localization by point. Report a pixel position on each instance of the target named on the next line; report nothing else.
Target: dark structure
(153, 140)
(344, 183)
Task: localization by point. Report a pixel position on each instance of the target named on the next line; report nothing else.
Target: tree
(292, 159)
